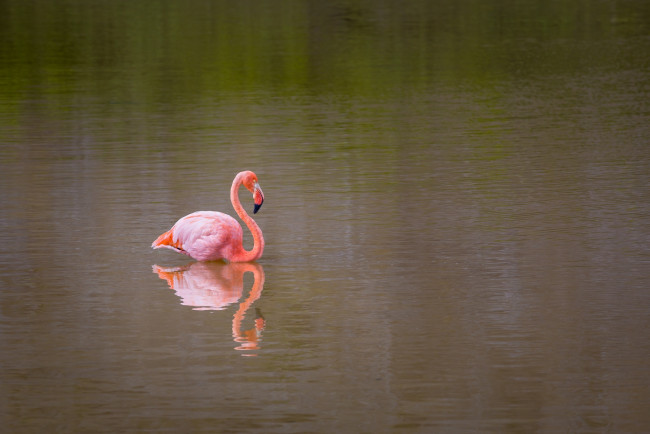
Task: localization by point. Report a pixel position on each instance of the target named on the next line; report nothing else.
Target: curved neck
(244, 255)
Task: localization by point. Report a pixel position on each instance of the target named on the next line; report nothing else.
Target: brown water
(456, 215)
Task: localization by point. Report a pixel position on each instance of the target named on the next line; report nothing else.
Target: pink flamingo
(212, 235)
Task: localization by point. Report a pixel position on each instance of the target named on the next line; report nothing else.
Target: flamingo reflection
(215, 286)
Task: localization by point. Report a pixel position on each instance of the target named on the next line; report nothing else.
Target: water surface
(456, 216)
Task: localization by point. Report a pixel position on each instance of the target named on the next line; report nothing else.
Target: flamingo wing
(203, 235)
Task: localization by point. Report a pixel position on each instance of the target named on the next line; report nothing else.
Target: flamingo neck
(243, 255)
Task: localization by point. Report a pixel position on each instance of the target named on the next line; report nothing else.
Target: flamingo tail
(166, 241)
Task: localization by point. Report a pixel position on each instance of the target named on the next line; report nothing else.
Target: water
(456, 216)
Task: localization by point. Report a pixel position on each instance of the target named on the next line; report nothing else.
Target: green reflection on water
(153, 52)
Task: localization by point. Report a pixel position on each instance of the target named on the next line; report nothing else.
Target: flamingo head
(252, 184)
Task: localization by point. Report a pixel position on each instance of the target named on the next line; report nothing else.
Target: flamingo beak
(258, 197)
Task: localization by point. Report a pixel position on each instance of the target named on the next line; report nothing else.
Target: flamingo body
(203, 235)
(212, 235)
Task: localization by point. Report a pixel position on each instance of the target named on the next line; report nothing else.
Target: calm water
(456, 215)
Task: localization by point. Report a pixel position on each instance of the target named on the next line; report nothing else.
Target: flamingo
(212, 235)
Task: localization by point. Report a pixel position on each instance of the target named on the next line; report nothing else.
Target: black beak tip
(257, 208)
